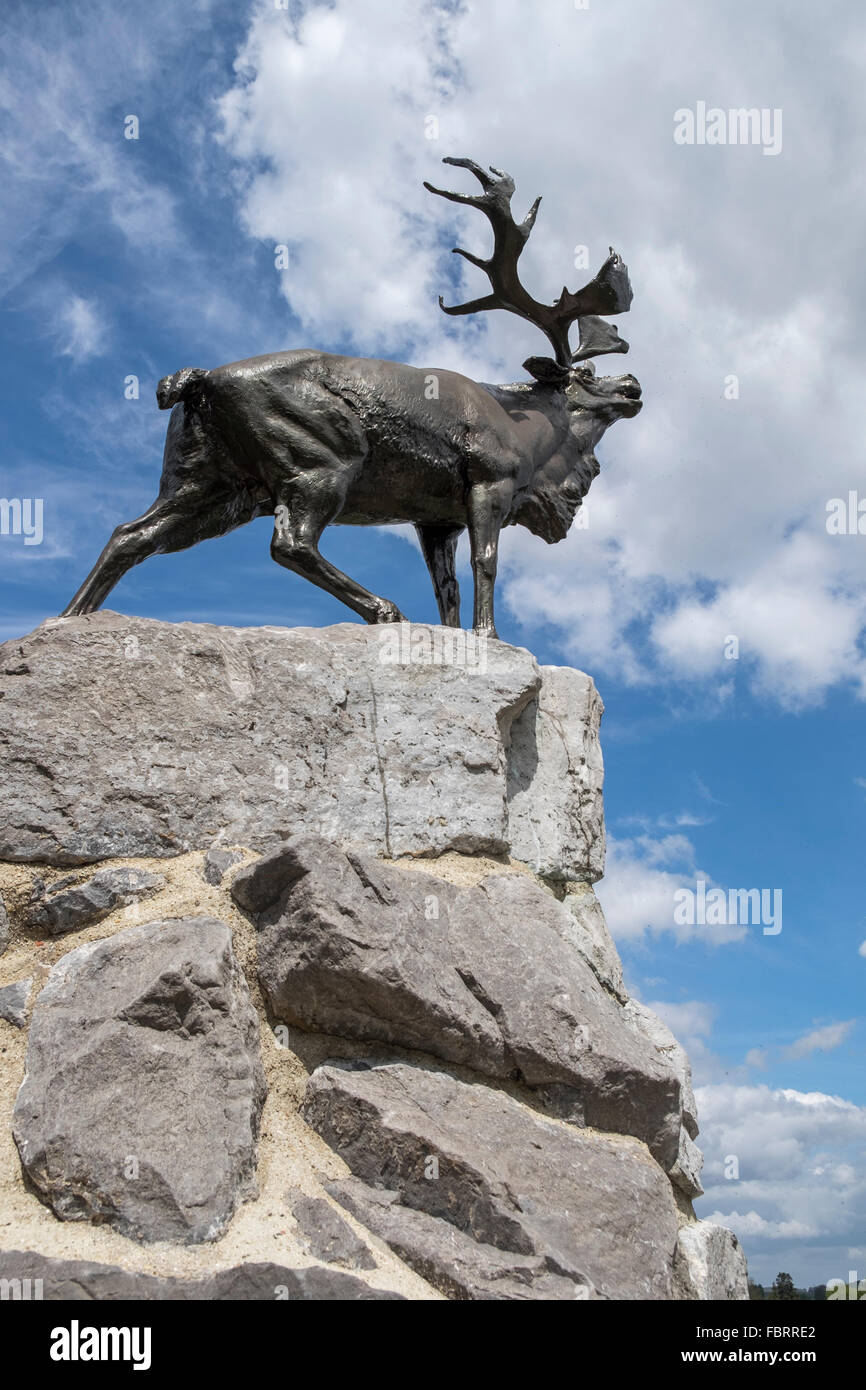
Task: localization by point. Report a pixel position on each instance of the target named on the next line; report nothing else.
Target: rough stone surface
(503, 1174)
(710, 1263)
(253, 734)
(326, 1235)
(144, 1085)
(13, 1002)
(480, 976)
(68, 905)
(555, 779)
(651, 1027)
(450, 1260)
(686, 1172)
(217, 863)
(78, 1281)
(558, 1163)
(587, 932)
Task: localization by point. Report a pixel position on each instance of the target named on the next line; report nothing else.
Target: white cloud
(824, 1039)
(337, 176)
(820, 1040)
(796, 626)
(80, 329)
(64, 97)
(751, 1223)
(708, 518)
(688, 1021)
(799, 1199)
(757, 1057)
(638, 892)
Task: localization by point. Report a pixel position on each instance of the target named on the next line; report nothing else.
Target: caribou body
(315, 439)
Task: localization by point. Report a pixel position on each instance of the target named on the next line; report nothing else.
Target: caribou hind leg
(169, 524)
(438, 545)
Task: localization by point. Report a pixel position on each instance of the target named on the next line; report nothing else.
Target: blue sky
(310, 127)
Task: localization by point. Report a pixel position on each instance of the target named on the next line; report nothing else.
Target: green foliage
(783, 1289)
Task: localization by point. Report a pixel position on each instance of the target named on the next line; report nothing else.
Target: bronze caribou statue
(315, 439)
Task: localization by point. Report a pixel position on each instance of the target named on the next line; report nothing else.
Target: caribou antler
(609, 293)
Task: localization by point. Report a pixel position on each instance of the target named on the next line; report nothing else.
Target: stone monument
(305, 991)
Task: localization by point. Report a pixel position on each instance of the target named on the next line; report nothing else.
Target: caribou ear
(545, 370)
(597, 337)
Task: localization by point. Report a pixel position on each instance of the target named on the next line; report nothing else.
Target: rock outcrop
(144, 1085)
(31, 1276)
(248, 735)
(368, 1036)
(506, 1176)
(710, 1264)
(482, 976)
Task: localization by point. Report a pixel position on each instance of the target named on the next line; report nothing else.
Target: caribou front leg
(488, 505)
(299, 521)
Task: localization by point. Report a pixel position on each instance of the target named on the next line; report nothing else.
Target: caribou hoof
(387, 612)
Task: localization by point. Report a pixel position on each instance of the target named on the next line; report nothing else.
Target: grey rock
(4, 927)
(78, 1281)
(596, 1209)
(249, 735)
(450, 1260)
(686, 1172)
(327, 1236)
(144, 1084)
(313, 1284)
(710, 1264)
(651, 1027)
(555, 779)
(70, 904)
(587, 932)
(479, 976)
(13, 1002)
(217, 863)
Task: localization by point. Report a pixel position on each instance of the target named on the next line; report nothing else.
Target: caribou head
(567, 385)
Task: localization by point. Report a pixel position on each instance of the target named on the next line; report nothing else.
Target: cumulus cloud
(798, 638)
(331, 168)
(709, 518)
(639, 892)
(784, 1169)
